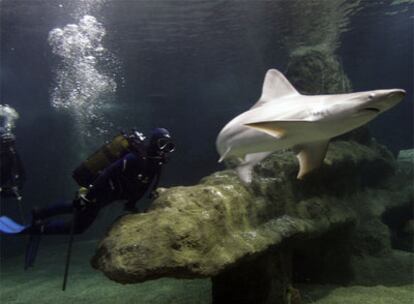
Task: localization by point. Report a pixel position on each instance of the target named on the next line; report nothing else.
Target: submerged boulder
(278, 229)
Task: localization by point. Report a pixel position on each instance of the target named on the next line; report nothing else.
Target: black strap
(69, 251)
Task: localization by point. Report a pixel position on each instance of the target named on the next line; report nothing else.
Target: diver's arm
(153, 193)
(104, 181)
(130, 205)
(16, 177)
(18, 173)
(136, 166)
(133, 165)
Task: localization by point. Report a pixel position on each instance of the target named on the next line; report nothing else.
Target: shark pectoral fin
(222, 157)
(310, 156)
(280, 129)
(268, 128)
(244, 170)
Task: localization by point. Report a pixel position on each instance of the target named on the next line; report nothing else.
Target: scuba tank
(88, 171)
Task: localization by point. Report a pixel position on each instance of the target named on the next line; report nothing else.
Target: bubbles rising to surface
(82, 86)
(85, 7)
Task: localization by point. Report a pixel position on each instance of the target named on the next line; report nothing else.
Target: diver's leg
(83, 220)
(65, 207)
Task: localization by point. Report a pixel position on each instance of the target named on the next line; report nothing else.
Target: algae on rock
(221, 228)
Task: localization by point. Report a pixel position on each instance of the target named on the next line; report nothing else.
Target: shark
(283, 118)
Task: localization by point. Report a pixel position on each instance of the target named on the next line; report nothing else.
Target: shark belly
(248, 140)
(251, 141)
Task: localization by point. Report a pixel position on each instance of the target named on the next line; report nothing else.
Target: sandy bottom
(43, 283)
(358, 294)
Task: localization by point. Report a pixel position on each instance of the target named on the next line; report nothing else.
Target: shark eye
(371, 96)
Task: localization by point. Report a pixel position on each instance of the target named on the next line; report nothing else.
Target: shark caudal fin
(275, 85)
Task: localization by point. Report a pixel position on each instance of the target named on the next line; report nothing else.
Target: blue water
(189, 66)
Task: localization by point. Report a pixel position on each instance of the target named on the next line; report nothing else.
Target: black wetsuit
(127, 179)
(12, 175)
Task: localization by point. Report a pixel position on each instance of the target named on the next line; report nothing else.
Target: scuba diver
(124, 169)
(127, 178)
(12, 175)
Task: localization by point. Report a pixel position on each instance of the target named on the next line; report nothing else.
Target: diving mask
(164, 144)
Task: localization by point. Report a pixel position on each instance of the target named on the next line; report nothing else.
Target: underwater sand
(322, 294)
(43, 283)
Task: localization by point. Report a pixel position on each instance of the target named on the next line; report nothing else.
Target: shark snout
(397, 94)
(380, 101)
(390, 98)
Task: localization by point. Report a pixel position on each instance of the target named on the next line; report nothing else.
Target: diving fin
(8, 226)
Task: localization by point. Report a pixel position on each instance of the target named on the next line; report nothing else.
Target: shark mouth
(375, 110)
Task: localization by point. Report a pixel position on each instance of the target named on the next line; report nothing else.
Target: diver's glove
(153, 195)
(16, 193)
(80, 202)
(130, 207)
(38, 222)
(10, 192)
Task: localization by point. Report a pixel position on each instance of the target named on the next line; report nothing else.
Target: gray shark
(283, 118)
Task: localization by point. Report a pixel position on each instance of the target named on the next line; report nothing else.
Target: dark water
(189, 66)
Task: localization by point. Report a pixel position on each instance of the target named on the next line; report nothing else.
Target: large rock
(222, 229)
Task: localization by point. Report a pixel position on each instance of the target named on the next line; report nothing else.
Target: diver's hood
(160, 143)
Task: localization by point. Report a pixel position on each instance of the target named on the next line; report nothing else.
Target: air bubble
(81, 86)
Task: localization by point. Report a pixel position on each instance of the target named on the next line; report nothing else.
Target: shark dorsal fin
(275, 85)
